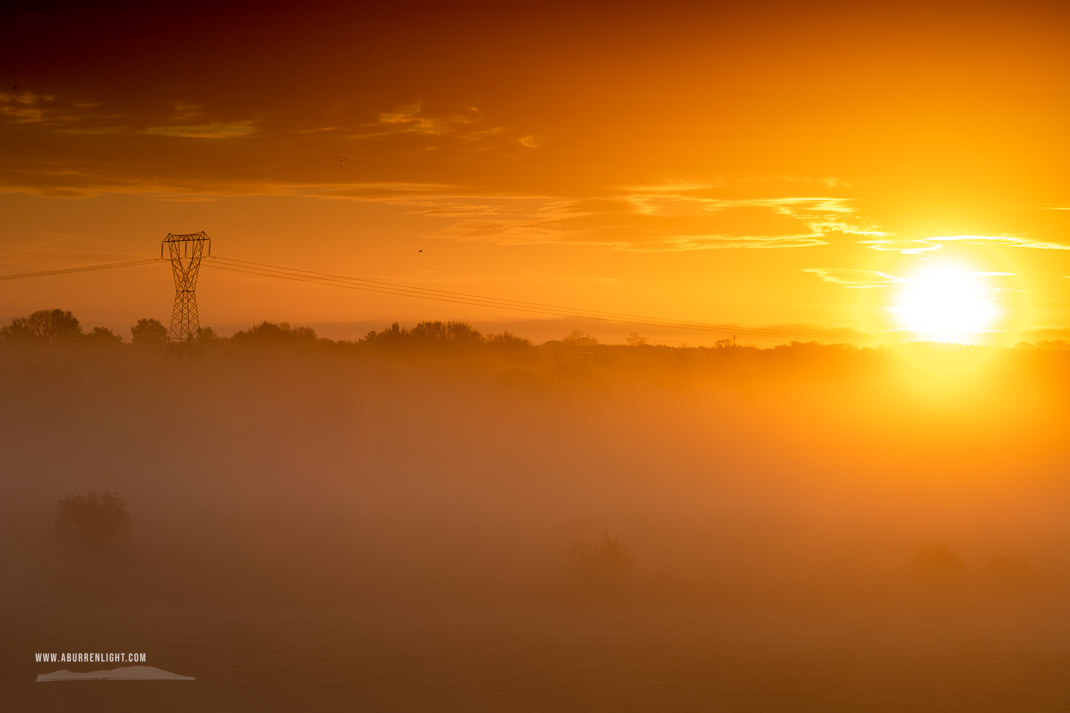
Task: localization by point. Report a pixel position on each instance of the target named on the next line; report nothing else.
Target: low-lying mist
(566, 474)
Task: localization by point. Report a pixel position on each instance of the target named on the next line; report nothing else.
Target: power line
(356, 283)
(390, 288)
(85, 268)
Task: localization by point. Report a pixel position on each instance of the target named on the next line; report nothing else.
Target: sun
(945, 303)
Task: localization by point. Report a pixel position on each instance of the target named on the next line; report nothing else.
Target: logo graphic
(123, 673)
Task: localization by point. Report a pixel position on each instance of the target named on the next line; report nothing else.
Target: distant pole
(186, 251)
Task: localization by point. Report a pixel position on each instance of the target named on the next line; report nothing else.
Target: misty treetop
(49, 326)
(426, 333)
(148, 331)
(102, 335)
(95, 520)
(267, 333)
(574, 353)
(46, 325)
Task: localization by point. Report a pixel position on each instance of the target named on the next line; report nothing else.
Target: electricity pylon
(186, 251)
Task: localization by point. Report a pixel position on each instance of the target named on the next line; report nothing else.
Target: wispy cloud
(913, 247)
(25, 107)
(727, 242)
(514, 230)
(465, 128)
(82, 118)
(188, 111)
(45, 110)
(412, 119)
(84, 184)
(190, 121)
(854, 278)
(214, 130)
(406, 194)
(822, 215)
(906, 247)
(673, 217)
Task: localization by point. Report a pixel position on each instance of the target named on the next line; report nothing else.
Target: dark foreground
(564, 660)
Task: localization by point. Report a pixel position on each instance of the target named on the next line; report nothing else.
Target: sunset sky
(767, 164)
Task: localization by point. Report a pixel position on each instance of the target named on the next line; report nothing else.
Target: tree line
(57, 326)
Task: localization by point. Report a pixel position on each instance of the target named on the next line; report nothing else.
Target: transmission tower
(186, 251)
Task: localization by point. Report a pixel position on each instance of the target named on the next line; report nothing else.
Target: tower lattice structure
(186, 252)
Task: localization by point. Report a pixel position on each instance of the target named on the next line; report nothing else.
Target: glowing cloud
(853, 278)
(217, 130)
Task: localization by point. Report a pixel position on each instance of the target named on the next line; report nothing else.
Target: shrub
(97, 521)
(102, 336)
(604, 566)
(937, 565)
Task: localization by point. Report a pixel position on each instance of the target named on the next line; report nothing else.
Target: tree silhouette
(276, 333)
(508, 340)
(46, 325)
(392, 335)
(446, 332)
(427, 334)
(97, 521)
(462, 333)
(207, 334)
(937, 565)
(579, 338)
(603, 566)
(103, 335)
(148, 331)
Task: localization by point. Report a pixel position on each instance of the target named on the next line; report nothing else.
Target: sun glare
(945, 303)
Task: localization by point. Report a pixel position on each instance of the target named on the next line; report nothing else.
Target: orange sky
(778, 164)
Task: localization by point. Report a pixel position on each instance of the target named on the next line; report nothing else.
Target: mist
(570, 479)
